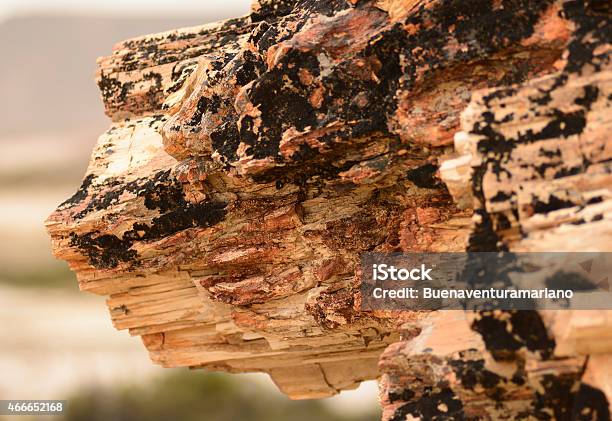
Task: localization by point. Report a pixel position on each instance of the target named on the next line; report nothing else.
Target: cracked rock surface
(250, 162)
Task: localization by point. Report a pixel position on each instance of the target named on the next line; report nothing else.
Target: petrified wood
(250, 162)
(535, 163)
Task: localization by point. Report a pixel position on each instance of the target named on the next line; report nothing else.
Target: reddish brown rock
(535, 165)
(249, 163)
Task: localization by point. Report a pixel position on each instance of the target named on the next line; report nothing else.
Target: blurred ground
(58, 343)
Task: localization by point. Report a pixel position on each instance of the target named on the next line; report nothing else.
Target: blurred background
(58, 343)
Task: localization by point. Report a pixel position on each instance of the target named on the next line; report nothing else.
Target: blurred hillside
(48, 67)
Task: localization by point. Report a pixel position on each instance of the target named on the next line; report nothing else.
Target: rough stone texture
(534, 161)
(250, 162)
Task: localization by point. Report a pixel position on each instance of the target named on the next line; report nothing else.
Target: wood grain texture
(533, 160)
(250, 162)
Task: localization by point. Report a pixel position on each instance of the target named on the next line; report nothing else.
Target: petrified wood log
(249, 163)
(535, 163)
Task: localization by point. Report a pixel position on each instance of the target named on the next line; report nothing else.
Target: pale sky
(122, 7)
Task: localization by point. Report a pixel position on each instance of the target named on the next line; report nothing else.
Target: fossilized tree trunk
(535, 163)
(249, 163)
